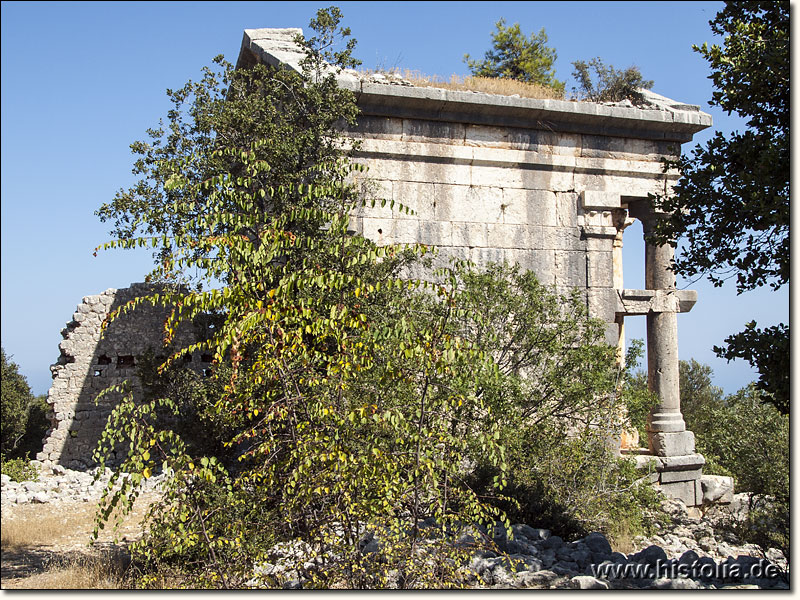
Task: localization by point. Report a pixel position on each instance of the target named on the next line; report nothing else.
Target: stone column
(662, 340)
(667, 435)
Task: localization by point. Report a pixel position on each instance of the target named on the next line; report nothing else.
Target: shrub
(18, 469)
(608, 84)
(563, 409)
(743, 437)
(36, 427)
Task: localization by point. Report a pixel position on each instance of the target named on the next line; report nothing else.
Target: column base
(668, 422)
(680, 443)
(677, 477)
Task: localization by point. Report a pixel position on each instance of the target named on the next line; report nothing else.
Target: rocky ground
(693, 552)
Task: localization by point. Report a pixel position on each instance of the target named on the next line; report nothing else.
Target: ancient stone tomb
(547, 184)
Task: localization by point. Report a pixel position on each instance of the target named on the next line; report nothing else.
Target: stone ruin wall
(547, 201)
(90, 362)
(549, 185)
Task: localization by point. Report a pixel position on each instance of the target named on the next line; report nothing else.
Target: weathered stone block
(681, 490)
(377, 194)
(562, 238)
(438, 131)
(599, 244)
(681, 463)
(541, 262)
(599, 200)
(599, 270)
(522, 176)
(670, 476)
(550, 142)
(470, 234)
(678, 443)
(534, 207)
(416, 196)
(596, 146)
(602, 303)
(717, 488)
(468, 203)
(566, 209)
(377, 128)
(501, 235)
(380, 231)
(483, 135)
(433, 233)
(514, 207)
(631, 185)
(484, 256)
(570, 268)
(395, 169)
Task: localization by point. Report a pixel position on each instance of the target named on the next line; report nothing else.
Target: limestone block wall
(538, 182)
(541, 199)
(89, 363)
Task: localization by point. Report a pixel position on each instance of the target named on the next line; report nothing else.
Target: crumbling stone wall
(90, 362)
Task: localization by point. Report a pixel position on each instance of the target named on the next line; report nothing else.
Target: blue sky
(81, 81)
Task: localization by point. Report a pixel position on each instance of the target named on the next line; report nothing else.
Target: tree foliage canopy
(16, 398)
(730, 209)
(514, 56)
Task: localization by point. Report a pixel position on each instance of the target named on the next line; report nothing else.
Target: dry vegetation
(487, 85)
(46, 546)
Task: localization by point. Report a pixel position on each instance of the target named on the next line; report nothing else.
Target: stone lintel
(597, 200)
(644, 302)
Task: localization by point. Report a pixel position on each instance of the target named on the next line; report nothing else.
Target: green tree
(608, 84)
(347, 406)
(16, 398)
(699, 396)
(744, 438)
(730, 209)
(514, 56)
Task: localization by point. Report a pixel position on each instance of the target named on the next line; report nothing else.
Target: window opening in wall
(207, 358)
(104, 360)
(97, 373)
(206, 372)
(633, 261)
(125, 361)
(633, 256)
